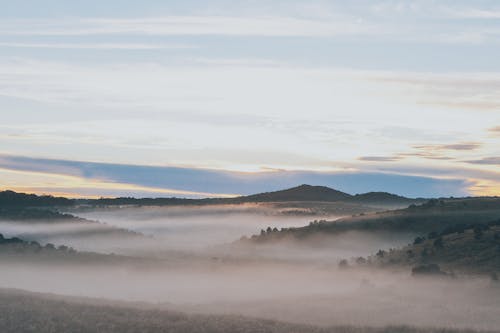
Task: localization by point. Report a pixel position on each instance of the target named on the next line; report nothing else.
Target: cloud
(140, 180)
(432, 152)
(464, 146)
(97, 46)
(478, 91)
(189, 25)
(495, 130)
(474, 13)
(380, 158)
(486, 161)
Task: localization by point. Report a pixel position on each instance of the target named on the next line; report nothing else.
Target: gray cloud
(380, 158)
(219, 181)
(495, 130)
(463, 146)
(486, 161)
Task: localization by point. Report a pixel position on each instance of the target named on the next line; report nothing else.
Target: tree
(438, 242)
(418, 240)
(50, 246)
(430, 269)
(478, 232)
(432, 235)
(360, 261)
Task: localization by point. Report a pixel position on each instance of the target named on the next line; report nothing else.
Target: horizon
(161, 98)
(234, 196)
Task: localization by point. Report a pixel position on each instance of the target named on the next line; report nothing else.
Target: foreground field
(30, 312)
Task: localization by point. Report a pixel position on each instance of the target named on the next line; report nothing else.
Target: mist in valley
(190, 259)
(321, 295)
(190, 228)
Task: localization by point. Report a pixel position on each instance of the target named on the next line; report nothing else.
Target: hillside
(473, 248)
(47, 225)
(14, 199)
(17, 246)
(434, 215)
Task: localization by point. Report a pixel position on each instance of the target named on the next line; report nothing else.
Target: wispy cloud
(478, 91)
(486, 161)
(189, 25)
(475, 13)
(98, 46)
(139, 180)
(495, 130)
(464, 146)
(380, 158)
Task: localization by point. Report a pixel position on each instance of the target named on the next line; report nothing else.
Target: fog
(83, 236)
(189, 259)
(196, 227)
(206, 230)
(310, 294)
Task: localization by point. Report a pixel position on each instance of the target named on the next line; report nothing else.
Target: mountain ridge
(304, 192)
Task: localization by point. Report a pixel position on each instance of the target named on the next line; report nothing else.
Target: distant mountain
(310, 193)
(300, 193)
(303, 193)
(383, 198)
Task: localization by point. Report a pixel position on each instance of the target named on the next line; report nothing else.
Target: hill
(14, 199)
(47, 225)
(461, 249)
(299, 193)
(432, 216)
(384, 199)
(302, 193)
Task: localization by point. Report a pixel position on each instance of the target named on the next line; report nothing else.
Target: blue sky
(235, 97)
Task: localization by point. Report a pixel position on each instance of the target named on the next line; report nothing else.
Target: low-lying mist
(312, 294)
(200, 230)
(195, 228)
(190, 259)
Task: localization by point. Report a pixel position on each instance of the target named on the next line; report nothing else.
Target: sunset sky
(215, 98)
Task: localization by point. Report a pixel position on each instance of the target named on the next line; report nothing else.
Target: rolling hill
(433, 216)
(461, 249)
(302, 193)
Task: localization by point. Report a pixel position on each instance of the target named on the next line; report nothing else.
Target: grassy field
(29, 312)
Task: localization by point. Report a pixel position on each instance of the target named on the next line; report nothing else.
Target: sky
(222, 98)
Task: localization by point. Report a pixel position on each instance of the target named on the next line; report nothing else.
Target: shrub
(429, 269)
(343, 264)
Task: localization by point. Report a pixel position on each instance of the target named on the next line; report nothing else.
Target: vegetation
(450, 215)
(15, 245)
(302, 193)
(13, 199)
(473, 248)
(23, 214)
(23, 312)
